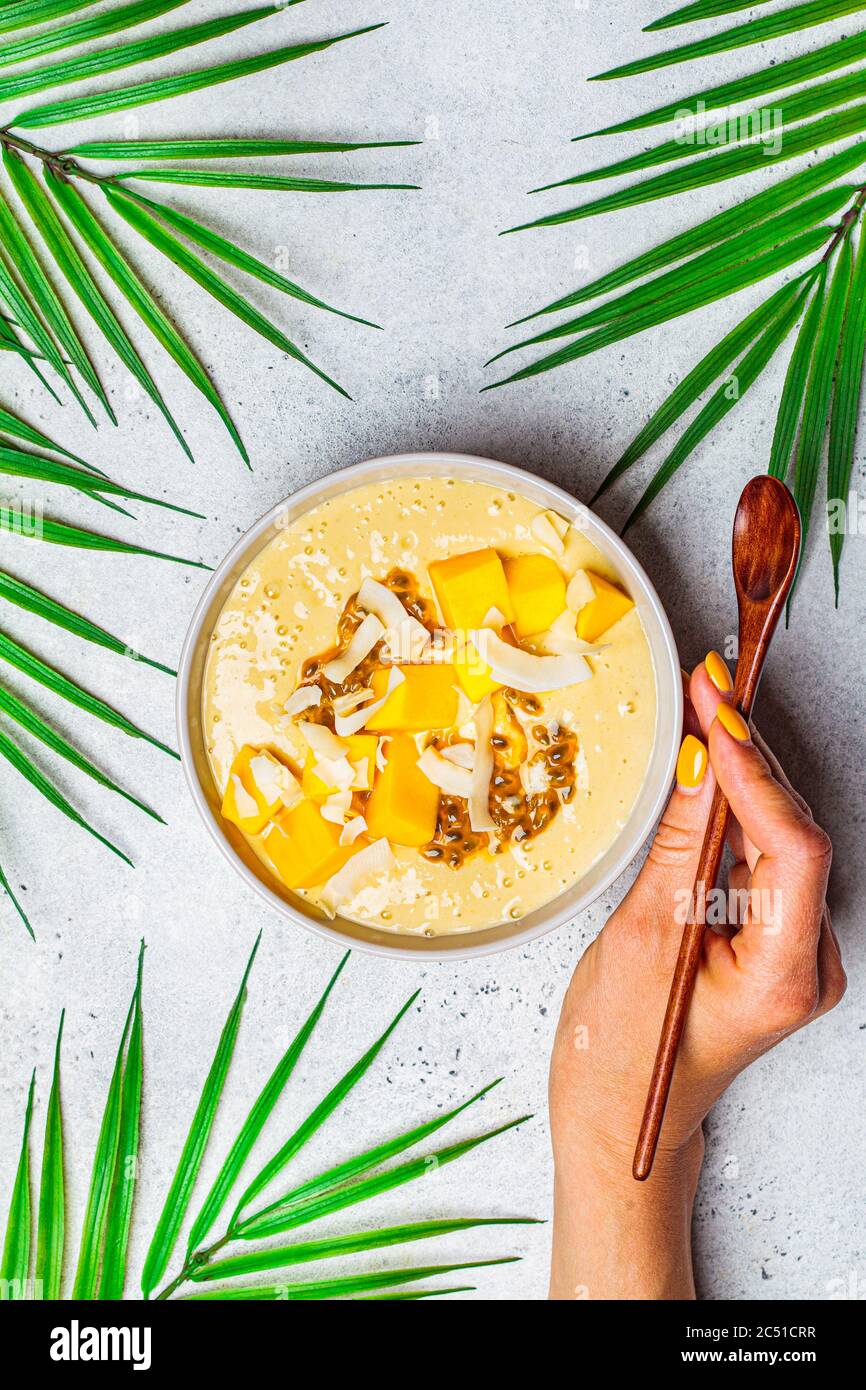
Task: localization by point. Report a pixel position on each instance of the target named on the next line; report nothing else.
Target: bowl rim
(551, 917)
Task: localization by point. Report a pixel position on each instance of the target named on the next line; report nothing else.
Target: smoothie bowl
(430, 704)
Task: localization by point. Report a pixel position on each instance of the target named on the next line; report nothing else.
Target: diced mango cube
(425, 699)
(468, 586)
(403, 804)
(537, 590)
(360, 748)
(474, 674)
(249, 802)
(304, 848)
(609, 605)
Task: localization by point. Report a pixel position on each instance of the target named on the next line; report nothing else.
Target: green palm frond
(58, 236)
(806, 227)
(101, 1263)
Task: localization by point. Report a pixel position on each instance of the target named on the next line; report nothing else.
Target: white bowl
(669, 706)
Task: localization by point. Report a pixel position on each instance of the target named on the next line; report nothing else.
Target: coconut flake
(493, 618)
(344, 704)
(245, 805)
(336, 807)
(335, 772)
(482, 769)
(362, 869)
(349, 724)
(274, 780)
(324, 744)
(444, 774)
(363, 641)
(361, 779)
(305, 697)
(460, 754)
(561, 637)
(580, 591)
(524, 670)
(352, 829)
(549, 529)
(404, 631)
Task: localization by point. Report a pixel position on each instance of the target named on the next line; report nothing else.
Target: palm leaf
(846, 402)
(51, 1232)
(710, 232)
(714, 168)
(53, 680)
(702, 9)
(319, 1115)
(708, 370)
(128, 54)
(364, 1162)
(207, 178)
(15, 1261)
(21, 463)
(334, 1246)
(744, 375)
(24, 596)
(754, 126)
(794, 390)
(73, 268)
(180, 1191)
(255, 1121)
(134, 291)
(163, 88)
(119, 1215)
(693, 296)
(837, 54)
(236, 256)
(102, 1177)
(31, 324)
(48, 301)
(223, 149)
(8, 890)
(742, 247)
(28, 719)
(30, 772)
(147, 225)
(19, 14)
(19, 429)
(338, 1288)
(789, 21)
(279, 1217)
(83, 30)
(109, 1214)
(819, 388)
(15, 521)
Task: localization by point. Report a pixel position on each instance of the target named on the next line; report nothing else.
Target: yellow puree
(285, 608)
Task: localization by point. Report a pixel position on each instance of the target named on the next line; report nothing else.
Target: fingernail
(718, 673)
(733, 721)
(691, 763)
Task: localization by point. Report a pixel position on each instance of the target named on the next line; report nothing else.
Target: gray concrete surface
(495, 90)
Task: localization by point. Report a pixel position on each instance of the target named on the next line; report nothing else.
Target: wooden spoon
(765, 552)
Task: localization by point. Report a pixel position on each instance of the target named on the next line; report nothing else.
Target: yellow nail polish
(692, 762)
(733, 721)
(718, 673)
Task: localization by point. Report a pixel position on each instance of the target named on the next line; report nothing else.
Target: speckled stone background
(495, 88)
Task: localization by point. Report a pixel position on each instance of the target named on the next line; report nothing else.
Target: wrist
(615, 1238)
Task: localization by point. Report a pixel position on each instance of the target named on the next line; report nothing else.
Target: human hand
(773, 966)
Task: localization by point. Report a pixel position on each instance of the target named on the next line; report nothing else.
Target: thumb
(672, 862)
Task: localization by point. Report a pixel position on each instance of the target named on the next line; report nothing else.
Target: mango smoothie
(429, 707)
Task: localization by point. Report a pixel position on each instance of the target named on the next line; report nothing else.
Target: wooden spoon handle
(759, 614)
